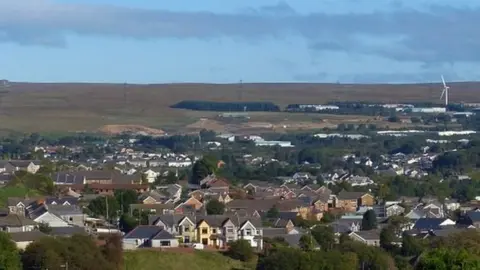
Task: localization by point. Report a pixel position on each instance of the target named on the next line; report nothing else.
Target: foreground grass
(198, 260)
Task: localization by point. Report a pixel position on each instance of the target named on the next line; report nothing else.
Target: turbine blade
(443, 81)
(443, 92)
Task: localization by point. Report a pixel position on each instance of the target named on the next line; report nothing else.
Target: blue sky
(224, 41)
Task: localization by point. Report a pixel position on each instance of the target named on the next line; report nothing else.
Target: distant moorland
(73, 107)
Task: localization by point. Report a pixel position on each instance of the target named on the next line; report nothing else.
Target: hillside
(198, 260)
(71, 107)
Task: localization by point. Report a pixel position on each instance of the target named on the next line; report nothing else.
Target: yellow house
(204, 232)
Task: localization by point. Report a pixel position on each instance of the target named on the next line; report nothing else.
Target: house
(427, 224)
(152, 197)
(394, 210)
(138, 163)
(218, 230)
(31, 166)
(194, 203)
(349, 201)
(471, 218)
(370, 238)
(18, 205)
(39, 213)
(72, 214)
(16, 223)
(23, 239)
(345, 226)
(148, 236)
(6, 167)
(151, 175)
(180, 226)
(301, 177)
(451, 204)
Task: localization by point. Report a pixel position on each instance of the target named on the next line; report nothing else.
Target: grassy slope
(199, 260)
(16, 191)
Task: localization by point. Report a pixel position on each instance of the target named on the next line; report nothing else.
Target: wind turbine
(445, 92)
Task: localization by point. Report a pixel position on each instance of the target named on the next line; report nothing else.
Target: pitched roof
(67, 231)
(473, 216)
(62, 200)
(369, 235)
(429, 223)
(349, 195)
(26, 236)
(13, 220)
(143, 232)
(163, 235)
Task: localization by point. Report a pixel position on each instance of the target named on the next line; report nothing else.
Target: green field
(166, 260)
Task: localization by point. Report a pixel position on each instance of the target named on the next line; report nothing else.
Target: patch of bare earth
(133, 129)
(207, 124)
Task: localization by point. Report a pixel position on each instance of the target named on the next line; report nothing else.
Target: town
(210, 190)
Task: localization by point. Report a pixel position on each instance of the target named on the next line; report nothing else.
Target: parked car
(198, 246)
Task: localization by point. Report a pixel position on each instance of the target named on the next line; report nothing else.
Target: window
(204, 230)
(186, 239)
(214, 230)
(187, 229)
(248, 232)
(229, 229)
(164, 243)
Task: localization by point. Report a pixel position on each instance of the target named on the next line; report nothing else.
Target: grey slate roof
(163, 235)
(428, 223)
(26, 236)
(369, 235)
(67, 231)
(61, 201)
(64, 210)
(473, 216)
(12, 220)
(143, 232)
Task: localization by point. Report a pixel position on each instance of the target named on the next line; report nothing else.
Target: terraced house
(212, 230)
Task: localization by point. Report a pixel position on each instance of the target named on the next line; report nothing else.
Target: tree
(112, 251)
(240, 250)
(325, 237)
(202, 168)
(448, 259)
(411, 246)
(125, 198)
(78, 252)
(127, 223)
(214, 207)
(369, 220)
(273, 212)
(9, 256)
(387, 238)
(45, 228)
(98, 207)
(306, 242)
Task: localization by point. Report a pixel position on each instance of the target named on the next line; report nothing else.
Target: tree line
(202, 105)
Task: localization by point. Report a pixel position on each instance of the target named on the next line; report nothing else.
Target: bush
(240, 250)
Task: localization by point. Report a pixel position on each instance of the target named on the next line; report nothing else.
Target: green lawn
(15, 191)
(199, 260)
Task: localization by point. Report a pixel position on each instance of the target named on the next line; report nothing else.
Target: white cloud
(426, 33)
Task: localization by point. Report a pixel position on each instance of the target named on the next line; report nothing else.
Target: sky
(225, 41)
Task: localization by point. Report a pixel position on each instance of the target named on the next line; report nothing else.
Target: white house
(251, 234)
(151, 175)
